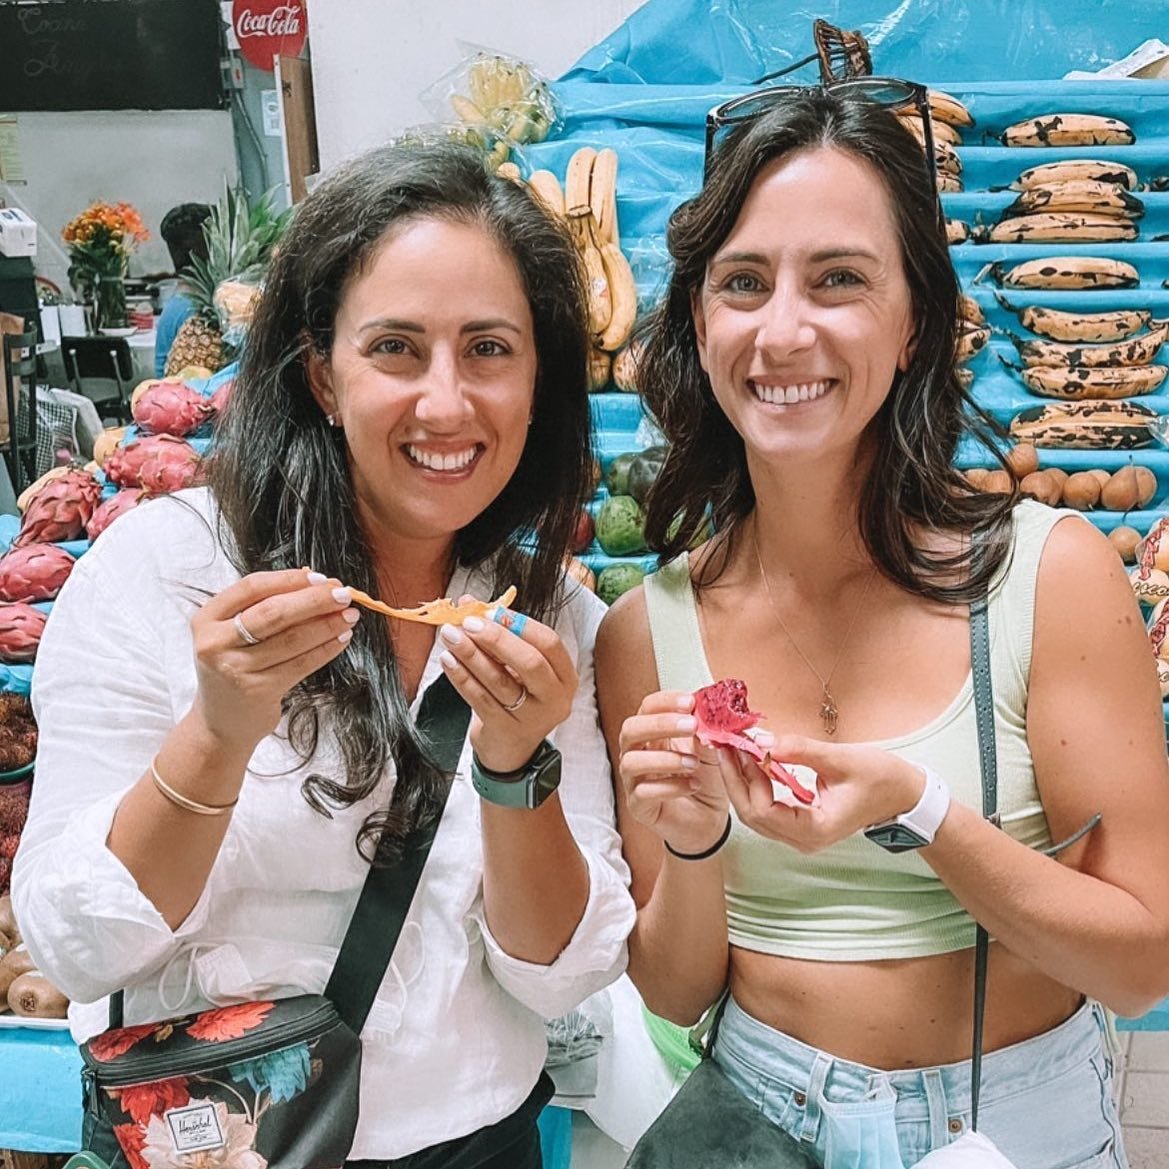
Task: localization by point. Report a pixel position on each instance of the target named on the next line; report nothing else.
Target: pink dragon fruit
(60, 510)
(723, 715)
(219, 398)
(34, 573)
(125, 466)
(109, 511)
(171, 408)
(21, 627)
(170, 469)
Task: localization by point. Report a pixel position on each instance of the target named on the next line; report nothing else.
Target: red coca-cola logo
(265, 28)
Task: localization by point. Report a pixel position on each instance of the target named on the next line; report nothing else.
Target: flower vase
(109, 303)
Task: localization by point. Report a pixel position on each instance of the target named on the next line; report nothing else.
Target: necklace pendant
(829, 713)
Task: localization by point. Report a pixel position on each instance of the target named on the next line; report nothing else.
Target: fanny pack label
(195, 1129)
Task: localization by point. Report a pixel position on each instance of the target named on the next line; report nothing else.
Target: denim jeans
(1046, 1103)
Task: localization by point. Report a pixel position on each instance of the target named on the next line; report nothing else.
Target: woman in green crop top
(801, 367)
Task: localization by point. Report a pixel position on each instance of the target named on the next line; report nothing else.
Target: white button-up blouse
(455, 1039)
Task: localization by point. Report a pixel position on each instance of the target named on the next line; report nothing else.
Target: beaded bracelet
(185, 802)
(701, 856)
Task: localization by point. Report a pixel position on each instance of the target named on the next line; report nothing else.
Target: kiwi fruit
(1081, 491)
(32, 994)
(1125, 540)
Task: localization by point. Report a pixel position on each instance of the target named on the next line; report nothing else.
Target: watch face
(896, 837)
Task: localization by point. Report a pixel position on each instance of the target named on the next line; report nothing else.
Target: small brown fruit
(976, 476)
(33, 995)
(1081, 491)
(998, 483)
(1061, 476)
(1042, 486)
(1125, 540)
(1121, 491)
(1102, 476)
(1146, 484)
(1023, 459)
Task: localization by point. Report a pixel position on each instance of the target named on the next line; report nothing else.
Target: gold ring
(245, 634)
(514, 706)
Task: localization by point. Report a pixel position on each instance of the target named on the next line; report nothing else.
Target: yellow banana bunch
(1114, 325)
(971, 340)
(499, 81)
(546, 187)
(580, 220)
(1065, 227)
(1069, 272)
(942, 131)
(622, 295)
(948, 109)
(1077, 195)
(946, 159)
(1076, 170)
(1132, 351)
(577, 179)
(1068, 130)
(603, 195)
(1077, 382)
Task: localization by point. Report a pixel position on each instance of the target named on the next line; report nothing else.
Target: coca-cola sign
(265, 28)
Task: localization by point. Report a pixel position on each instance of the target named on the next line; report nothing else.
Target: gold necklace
(829, 711)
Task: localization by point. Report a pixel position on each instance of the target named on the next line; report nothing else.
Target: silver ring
(245, 634)
(514, 706)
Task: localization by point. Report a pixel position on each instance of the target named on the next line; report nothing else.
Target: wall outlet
(233, 72)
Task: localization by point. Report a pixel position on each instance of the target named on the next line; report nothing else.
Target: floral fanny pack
(262, 1085)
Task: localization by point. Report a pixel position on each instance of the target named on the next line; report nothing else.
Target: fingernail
(342, 596)
(317, 578)
(689, 762)
(345, 636)
(686, 724)
(474, 624)
(449, 661)
(451, 634)
(351, 615)
(685, 701)
(764, 739)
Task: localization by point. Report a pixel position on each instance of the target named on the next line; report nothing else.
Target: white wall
(152, 160)
(371, 58)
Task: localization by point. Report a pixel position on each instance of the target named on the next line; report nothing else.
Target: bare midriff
(902, 1013)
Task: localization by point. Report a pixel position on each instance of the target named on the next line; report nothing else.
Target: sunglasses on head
(889, 92)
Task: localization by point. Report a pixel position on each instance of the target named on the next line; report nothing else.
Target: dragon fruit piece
(34, 573)
(124, 467)
(219, 398)
(60, 510)
(723, 715)
(109, 510)
(21, 627)
(171, 408)
(170, 469)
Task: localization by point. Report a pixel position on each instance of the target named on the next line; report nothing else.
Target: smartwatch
(917, 827)
(526, 787)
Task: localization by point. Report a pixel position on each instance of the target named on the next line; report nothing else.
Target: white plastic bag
(970, 1151)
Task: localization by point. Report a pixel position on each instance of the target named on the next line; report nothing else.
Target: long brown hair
(281, 478)
(912, 483)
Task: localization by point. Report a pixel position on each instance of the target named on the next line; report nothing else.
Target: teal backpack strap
(673, 626)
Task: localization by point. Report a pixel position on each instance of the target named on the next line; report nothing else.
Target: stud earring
(331, 419)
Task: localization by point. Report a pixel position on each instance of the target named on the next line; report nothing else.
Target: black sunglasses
(889, 92)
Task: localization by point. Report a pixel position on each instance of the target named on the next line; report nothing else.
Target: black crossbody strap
(988, 764)
(388, 892)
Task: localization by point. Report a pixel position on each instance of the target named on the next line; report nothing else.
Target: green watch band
(526, 787)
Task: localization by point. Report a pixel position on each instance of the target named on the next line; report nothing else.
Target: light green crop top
(855, 902)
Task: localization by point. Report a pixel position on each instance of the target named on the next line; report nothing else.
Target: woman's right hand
(672, 783)
(298, 621)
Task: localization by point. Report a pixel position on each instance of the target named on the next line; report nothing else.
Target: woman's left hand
(858, 786)
(518, 679)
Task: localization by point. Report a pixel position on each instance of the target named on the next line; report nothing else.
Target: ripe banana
(1092, 425)
(1065, 227)
(965, 377)
(622, 296)
(1077, 195)
(467, 111)
(603, 195)
(1133, 351)
(1068, 130)
(1069, 272)
(957, 232)
(509, 171)
(942, 131)
(1076, 170)
(946, 108)
(946, 159)
(970, 310)
(600, 301)
(1078, 381)
(970, 342)
(1115, 325)
(578, 179)
(546, 187)
(948, 182)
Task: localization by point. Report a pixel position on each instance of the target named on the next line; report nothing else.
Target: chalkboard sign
(109, 55)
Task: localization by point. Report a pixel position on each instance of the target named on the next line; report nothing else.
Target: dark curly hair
(912, 482)
(281, 477)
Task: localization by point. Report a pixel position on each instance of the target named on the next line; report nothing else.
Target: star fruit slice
(442, 611)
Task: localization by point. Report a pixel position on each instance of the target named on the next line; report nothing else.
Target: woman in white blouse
(410, 408)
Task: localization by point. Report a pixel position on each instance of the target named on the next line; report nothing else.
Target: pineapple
(240, 240)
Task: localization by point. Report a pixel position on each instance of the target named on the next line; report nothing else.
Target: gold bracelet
(188, 805)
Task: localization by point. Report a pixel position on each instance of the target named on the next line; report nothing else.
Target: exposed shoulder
(1078, 556)
(625, 657)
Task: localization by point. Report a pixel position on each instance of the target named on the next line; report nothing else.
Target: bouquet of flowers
(100, 241)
